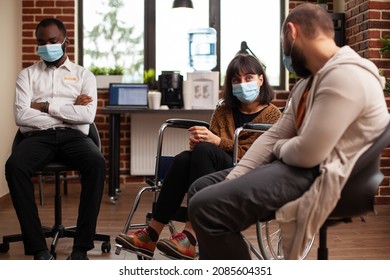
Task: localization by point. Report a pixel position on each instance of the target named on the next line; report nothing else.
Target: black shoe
(78, 255)
(43, 255)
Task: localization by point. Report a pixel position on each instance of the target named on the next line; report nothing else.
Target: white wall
(10, 57)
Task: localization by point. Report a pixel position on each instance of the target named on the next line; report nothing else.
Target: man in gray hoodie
(295, 171)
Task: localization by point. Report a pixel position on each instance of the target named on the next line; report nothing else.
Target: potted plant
(150, 79)
(154, 95)
(106, 75)
(385, 50)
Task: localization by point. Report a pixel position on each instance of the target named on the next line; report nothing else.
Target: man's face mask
(287, 61)
(51, 52)
(246, 92)
(295, 60)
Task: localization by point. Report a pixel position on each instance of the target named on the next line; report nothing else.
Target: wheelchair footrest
(141, 255)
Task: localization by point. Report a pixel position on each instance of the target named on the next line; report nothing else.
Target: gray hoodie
(345, 112)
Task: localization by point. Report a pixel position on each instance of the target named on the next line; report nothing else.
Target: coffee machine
(171, 87)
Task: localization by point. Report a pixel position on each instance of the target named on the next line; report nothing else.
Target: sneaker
(137, 241)
(178, 247)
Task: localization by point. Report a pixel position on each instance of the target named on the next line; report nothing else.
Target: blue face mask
(287, 60)
(246, 92)
(51, 52)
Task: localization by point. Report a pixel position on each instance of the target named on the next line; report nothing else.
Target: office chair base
(323, 251)
(56, 232)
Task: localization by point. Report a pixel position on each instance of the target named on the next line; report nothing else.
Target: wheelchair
(268, 233)
(163, 162)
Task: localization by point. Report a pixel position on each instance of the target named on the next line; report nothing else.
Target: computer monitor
(128, 94)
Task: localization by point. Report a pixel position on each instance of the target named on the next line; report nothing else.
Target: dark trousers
(185, 169)
(220, 209)
(67, 146)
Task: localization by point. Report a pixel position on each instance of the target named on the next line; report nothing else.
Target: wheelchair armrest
(185, 123)
(257, 126)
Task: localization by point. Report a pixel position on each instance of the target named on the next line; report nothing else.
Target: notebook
(128, 94)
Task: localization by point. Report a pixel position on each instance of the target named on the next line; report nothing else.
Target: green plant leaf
(99, 70)
(385, 41)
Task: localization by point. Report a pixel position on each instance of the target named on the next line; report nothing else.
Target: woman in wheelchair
(247, 97)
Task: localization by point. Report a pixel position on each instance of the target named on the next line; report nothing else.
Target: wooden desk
(114, 138)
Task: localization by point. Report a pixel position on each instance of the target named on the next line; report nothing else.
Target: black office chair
(358, 195)
(58, 230)
(357, 199)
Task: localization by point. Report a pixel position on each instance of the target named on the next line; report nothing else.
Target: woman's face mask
(51, 52)
(246, 92)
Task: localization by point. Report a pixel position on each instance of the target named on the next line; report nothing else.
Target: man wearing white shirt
(55, 103)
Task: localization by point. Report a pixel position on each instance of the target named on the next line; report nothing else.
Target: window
(258, 23)
(172, 26)
(164, 44)
(113, 35)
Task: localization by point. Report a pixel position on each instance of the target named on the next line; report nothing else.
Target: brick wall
(36, 10)
(102, 122)
(366, 22)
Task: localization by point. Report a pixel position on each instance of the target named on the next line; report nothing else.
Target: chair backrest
(164, 162)
(94, 135)
(358, 194)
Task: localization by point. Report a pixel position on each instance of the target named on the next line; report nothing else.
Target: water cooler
(202, 49)
(201, 88)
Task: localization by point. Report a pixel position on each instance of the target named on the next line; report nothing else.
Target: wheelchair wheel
(269, 237)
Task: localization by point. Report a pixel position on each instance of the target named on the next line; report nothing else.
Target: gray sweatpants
(220, 209)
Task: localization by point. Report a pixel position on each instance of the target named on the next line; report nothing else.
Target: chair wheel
(4, 247)
(148, 218)
(114, 200)
(106, 247)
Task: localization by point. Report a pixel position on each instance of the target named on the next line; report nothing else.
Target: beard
(299, 62)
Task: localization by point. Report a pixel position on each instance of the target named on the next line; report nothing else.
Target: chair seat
(54, 167)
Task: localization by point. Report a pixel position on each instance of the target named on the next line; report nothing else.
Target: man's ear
(293, 30)
(67, 42)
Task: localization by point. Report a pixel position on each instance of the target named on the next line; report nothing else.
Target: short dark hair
(311, 18)
(245, 64)
(49, 21)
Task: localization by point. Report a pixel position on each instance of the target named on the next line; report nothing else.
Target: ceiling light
(182, 4)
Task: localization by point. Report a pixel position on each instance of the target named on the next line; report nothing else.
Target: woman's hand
(202, 134)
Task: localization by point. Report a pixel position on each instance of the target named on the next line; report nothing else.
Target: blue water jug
(202, 48)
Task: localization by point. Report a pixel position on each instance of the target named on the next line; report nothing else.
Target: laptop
(128, 94)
